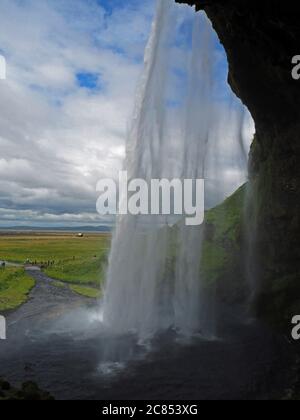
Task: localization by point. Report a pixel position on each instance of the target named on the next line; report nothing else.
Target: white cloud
(57, 138)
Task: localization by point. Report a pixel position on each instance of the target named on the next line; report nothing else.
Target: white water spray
(154, 275)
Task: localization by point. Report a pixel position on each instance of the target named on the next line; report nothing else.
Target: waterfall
(182, 127)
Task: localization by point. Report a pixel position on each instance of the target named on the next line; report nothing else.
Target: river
(57, 340)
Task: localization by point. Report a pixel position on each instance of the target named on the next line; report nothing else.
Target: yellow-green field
(81, 262)
(15, 286)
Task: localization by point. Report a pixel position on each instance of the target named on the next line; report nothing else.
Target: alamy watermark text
(158, 197)
(2, 328)
(296, 328)
(296, 68)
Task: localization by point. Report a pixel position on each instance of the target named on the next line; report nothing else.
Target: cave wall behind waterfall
(260, 39)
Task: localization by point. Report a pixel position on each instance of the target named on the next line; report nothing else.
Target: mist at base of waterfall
(116, 352)
(58, 340)
(67, 351)
(186, 124)
(70, 329)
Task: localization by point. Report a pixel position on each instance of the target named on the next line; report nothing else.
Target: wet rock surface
(28, 391)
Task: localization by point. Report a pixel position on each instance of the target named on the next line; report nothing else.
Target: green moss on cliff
(227, 217)
(214, 261)
(222, 262)
(221, 251)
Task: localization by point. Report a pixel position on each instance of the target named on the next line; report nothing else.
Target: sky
(72, 71)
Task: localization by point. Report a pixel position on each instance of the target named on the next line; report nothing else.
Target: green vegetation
(222, 263)
(86, 291)
(87, 270)
(15, 286)
(214, 259)
(79, 262)
(227, 217)
(64, 257)
(222, 237)
(59, 284)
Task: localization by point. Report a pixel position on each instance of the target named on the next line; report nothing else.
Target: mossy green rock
(223, 256)
(222, 260)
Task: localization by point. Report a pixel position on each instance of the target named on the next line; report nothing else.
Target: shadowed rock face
(260, 39)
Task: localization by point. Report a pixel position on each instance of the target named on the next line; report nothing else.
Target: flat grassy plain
(79, 262)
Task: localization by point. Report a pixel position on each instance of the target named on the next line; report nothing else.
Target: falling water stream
(186, 123)
(154, 274)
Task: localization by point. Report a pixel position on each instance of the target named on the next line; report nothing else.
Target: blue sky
(72, 71)
(88, 80)
(72, 68)
(111, 5)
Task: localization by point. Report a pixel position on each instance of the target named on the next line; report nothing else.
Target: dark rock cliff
(260, 39)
